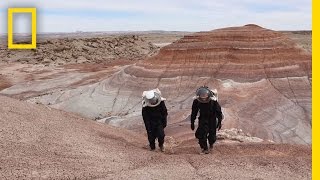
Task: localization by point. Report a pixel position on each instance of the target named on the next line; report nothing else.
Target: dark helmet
(203, 94)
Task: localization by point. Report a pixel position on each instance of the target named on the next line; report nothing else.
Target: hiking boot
(206, 151)
(161, 148)
(211, 146)
(203, 151)
(152, 148)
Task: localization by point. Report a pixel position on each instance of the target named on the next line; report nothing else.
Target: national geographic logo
(33, 12)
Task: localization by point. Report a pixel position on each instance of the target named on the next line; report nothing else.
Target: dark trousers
(206, 133)
(156, 132)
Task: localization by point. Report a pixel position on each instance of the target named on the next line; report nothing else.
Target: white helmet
(151, 98)
(150, 94)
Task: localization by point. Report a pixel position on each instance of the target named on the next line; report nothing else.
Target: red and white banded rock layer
(262, 76)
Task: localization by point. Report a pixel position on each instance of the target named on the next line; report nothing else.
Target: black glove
(164, 122)
(164, 125)
(192, 126)
(219, 125)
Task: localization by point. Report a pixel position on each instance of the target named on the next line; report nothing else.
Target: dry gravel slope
(39, 142)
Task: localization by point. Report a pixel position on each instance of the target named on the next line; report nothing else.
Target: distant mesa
(252, 25)
(243, 54)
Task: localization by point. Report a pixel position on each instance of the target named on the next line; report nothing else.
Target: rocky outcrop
(82, 50)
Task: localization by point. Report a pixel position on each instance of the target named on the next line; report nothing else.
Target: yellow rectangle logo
(33, 12)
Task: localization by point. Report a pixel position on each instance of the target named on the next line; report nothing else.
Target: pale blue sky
(173, 15)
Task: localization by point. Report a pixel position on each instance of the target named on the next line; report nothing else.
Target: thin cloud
(191, 15)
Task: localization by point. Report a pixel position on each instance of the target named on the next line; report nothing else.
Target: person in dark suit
(154, 113)
(210, 117)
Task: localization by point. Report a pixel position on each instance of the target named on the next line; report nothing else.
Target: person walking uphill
(154, 113)
(206, 101)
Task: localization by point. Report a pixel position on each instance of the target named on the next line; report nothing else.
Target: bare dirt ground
(39, 142)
